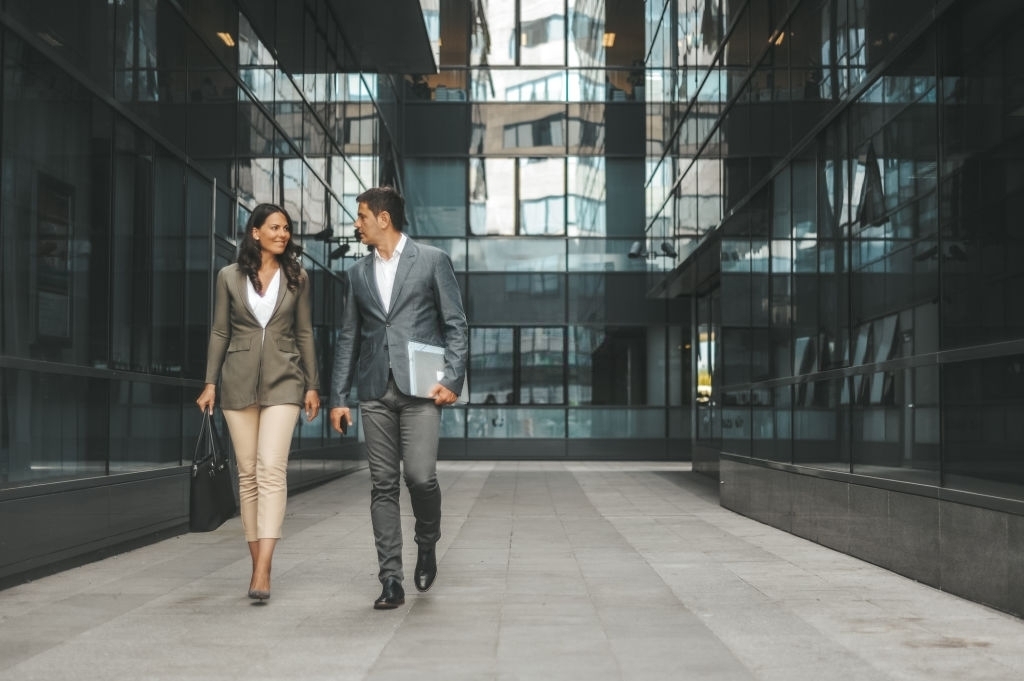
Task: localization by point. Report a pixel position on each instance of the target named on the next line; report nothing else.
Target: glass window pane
(542, 365)
(146, 426)
(586, 130)
(494, 34)
(536, 422)
(518, 129)
(982, 425)
(54, 427)
(435, 196)
(517, 254)
(491, 365)
(542, 33)
(603, 255)
(617, 423)
(492, 207)
(516, 298)
(519, 85)
(612, 366)
(542, 196)
(586, 196)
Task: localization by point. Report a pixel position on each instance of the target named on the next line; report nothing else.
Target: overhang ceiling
(386, 36)
(382, 36)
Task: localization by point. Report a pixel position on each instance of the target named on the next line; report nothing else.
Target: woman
(262, 352)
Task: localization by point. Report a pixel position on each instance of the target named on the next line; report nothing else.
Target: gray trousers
(401, 432)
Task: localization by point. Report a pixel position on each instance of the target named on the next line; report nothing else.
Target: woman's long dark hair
(249, 257)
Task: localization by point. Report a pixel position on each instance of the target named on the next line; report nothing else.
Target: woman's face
(273, 235)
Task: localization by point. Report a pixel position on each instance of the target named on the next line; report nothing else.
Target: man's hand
(341, 419)
(442, 395)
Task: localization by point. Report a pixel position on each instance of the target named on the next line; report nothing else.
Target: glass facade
(135, 136)
(523, 157)
(845, 181)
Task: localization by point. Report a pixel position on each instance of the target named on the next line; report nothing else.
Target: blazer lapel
(405, 264)
(242, 290)
(370, 280)
(282, 290)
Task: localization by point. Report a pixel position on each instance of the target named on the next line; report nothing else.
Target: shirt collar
(397, 252)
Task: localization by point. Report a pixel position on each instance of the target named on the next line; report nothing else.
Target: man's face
(367, 225)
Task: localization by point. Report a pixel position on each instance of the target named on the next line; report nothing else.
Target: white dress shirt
(385, 271)
(263, 306)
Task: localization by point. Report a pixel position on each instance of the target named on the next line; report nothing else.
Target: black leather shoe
(426, 568)
(391, 597)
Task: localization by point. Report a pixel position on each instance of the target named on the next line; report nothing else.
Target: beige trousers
(262, 437)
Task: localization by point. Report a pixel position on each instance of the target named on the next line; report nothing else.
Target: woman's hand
(207, 398)
(312, 404)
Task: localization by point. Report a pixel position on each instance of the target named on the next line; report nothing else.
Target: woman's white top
(263, 306)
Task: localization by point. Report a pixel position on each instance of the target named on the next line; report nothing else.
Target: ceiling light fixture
(226, 38)
(608, 40)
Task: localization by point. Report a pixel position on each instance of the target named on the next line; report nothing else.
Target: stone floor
(547, 571)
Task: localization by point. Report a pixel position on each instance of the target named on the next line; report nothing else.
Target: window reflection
(436, 197)
(542, 196)
(129, 201)
(542, 362)
(586, 195)
(494, 34)
(517, 85)
(541, 34)
(492, 196)
(528, 129)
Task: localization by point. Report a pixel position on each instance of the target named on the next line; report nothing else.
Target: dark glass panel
(542, 365)
(613, 298)
(516, 298)
(818, 425)
(526, 129)
(609, 365)
(56, 175)
(52, 427)
(146, 427)
(983, 425)
(169, 245)
(198, 287)
(435, 197)
(492, 359)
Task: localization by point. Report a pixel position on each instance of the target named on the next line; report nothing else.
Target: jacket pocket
(287, 345)
(239, 344)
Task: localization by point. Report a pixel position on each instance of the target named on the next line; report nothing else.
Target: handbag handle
(206, 445)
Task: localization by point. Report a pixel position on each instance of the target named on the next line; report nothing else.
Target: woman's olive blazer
(277, 368)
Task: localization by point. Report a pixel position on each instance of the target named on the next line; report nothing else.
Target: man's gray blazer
(426, 307)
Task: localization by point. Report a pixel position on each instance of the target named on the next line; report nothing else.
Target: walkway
(547, 571)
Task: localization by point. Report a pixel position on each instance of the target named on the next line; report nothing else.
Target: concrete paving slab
(601, 571)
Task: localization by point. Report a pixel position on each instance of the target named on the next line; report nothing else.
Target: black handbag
(211, 490)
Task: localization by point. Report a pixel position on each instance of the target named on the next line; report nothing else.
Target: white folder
(426, 368)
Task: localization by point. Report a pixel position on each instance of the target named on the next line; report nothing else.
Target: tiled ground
(547, 571)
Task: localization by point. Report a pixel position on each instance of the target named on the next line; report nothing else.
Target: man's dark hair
(379, 199)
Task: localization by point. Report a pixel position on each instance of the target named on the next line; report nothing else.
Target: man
(403, 291)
